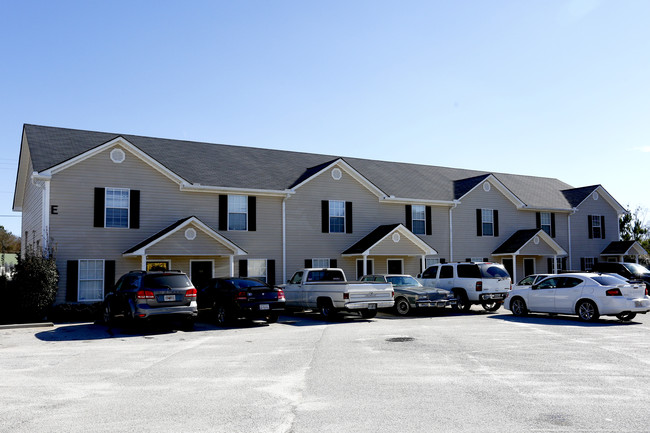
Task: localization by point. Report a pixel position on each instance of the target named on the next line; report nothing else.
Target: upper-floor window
(117, 207)
(545, 222)
(596, 226)
(237, 212)
(418, 215)
(336, 216)
(487, 221)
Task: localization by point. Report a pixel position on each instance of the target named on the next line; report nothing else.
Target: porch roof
(378, 240)
(522, 238)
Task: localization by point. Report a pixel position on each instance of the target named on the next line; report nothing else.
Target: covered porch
(617, 251)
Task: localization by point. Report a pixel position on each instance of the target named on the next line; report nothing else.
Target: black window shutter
(429, 229)
(549, 262)
(223, 212)
(252, 213)
(602, 226)
(134, 208)
(72, 277)
(538, 220)
(270, 272)
(443, 261)
(564, 262)
(496, 222)
(468, 259)
(595, 260)
(99, 208)
(243, 268)
(409, 217)
(486, 259)
(333, 263)
(590, 227)
(348, 217)
(552, 225)
(325, 216)
(479, 222)
(109, 275)
(582, 263)
(308, 263)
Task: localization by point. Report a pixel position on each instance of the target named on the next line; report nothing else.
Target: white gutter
(284, 238)
(197, 187)
(451, 232)
(44, 185)
(399, 200)
(569, 224)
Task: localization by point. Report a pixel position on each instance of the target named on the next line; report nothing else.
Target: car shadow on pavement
(93, 331)
(559, 320)
(315, 319)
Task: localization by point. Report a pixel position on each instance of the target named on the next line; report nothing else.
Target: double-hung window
(117, 207)
(237, 212)
(545, 222)
(337, 216)
(596, 226)
(487, 222)
(320, 263)
(419, 218)
(257, 269)
(91, 280)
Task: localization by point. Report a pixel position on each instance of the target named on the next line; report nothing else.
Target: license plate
(264, 306)
(169, 298)
(372, 306)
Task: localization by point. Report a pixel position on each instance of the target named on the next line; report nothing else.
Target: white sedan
(587, 295)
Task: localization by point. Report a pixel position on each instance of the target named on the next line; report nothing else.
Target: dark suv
(630, 271)
(140, 296)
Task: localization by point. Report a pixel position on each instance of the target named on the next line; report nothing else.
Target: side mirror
(534, 287)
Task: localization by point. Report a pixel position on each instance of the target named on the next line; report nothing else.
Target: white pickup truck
(328, 291)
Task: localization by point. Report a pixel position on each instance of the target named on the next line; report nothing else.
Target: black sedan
(228, 299)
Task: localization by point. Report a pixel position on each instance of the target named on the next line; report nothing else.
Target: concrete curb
(28, 325)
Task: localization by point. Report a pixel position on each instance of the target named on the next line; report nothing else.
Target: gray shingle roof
(256, 168)
(516, 241)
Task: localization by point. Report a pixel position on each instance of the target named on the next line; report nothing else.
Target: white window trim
(430, 261)
(396, 260)
(128, 207)
(329, 216)
(487, 222)
(595, 218)
(313, 262)
(424, 220)
(266, 269)
(229, 212)
(169, 262)
(79, 279)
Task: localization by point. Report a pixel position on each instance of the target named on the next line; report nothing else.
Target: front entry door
(529, 267)
(201, 272)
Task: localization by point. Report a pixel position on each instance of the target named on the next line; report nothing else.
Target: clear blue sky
(556, 88)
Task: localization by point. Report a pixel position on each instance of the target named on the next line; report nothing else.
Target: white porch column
(514, 269)
(231, 263)
(424, 262)
(555, 264)
(144, 262)
(365, 264)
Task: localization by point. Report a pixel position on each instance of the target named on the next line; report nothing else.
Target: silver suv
(484, 283)
(140, 296)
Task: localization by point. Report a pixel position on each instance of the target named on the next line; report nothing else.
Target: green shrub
(33, 285)
(74, 312)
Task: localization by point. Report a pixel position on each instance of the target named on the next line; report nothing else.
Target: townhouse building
(109, 203)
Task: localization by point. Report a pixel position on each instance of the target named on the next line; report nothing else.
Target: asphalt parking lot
(478, 372)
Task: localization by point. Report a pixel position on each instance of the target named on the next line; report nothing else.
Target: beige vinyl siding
(582, 246)
(32, 215)
(180, 245)
(388, 247)
(161, 204)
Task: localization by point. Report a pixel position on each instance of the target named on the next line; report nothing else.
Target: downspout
(569, 224)
(451, 232)
(43, 182)
(284, 238)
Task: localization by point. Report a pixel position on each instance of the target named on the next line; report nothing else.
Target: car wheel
(462, 303)
(107, 316)
(626, 317)
(491, 306)
(518, 307)
(402, 306)
(220, 314)
(271, 318)
(368, 314)
(587, 311)
(328, 311)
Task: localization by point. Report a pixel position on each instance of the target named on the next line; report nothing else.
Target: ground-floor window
(588, 263)
(320, 263)
(430, 262)
(257, 269)
(91, 280)
(158, 265)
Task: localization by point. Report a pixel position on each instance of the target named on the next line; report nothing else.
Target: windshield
(607, 280)
(167, 280)
(403, 281)
(493, 271)
(636, 269)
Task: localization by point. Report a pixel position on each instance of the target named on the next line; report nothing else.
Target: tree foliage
(9, 242)
(633, 227)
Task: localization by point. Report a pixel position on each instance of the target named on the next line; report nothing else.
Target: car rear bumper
(143, 312)
(438, 303)
(369, 305)
(617, 305)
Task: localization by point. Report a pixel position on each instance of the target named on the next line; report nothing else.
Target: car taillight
(281, 295)
(392, 294)
(646, 290)
(144, 294)
(613, 292)
(346, 296)
(190, 293)
(479, 286)
(241, 296)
